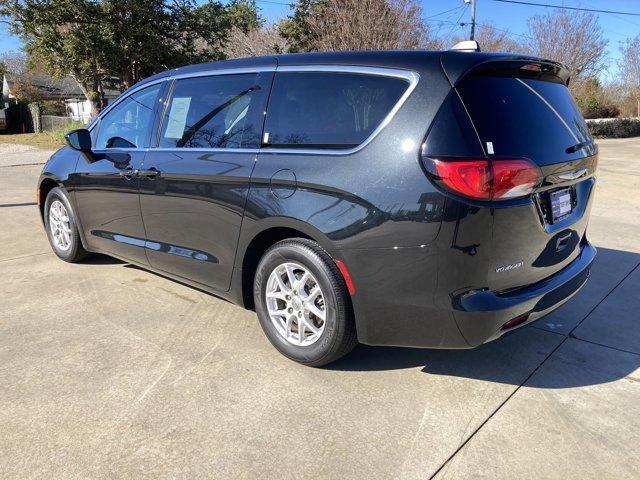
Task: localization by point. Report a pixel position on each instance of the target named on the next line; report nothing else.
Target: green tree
(65, 36)
(129, 39)
(296, 29)
(244, 14)
(594, 100)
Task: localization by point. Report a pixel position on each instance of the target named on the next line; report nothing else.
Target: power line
(568, 8)
(446, 11)
(458, 21)
(274, 3)
(508, 32)
(620, 18)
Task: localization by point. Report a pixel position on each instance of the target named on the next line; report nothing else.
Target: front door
(107, 186)
(195, 183)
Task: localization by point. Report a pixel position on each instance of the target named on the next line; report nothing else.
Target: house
(44, 87)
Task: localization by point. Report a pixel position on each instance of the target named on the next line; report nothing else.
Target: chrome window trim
(223, 71)
(410, 76)
(204, 150)
(176, 149)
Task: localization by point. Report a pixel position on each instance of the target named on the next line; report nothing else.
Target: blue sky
(510, 17)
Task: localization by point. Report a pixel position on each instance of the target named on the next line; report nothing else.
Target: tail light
(484, 179)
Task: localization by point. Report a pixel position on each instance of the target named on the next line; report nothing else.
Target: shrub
(56, 136)
(617, 128)
(600, 110)
(53, 107)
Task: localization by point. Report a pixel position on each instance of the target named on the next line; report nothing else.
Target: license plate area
(561, 204)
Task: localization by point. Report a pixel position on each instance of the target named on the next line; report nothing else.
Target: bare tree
(574, 39)
(491, 39)
(629, 65)
(259, 41)
(368, 25)
(14, 62)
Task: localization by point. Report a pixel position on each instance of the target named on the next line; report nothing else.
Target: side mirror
(79, 140)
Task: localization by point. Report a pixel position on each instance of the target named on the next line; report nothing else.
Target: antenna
(466, 46)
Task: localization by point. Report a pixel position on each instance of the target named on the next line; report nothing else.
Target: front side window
(223, 111)
(127, 124)
(328, 109)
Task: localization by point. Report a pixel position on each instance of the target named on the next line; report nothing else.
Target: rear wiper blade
(579, 146)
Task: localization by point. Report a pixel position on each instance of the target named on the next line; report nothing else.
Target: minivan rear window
(328, 109)
(524, 117)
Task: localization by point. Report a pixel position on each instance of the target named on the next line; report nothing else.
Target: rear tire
(62, 228)
(302, 303)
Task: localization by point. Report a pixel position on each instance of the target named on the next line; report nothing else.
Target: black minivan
(425, 199)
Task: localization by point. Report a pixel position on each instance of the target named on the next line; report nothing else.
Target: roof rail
(466, 46)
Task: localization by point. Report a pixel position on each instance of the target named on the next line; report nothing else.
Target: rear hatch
(522, 110)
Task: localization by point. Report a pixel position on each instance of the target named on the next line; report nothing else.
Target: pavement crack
(141, 397)
(25, 204)
(22, 165)
(622, 350)
(415, 439)
(25, 256)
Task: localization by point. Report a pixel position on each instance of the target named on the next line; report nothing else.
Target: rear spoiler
(458, 64)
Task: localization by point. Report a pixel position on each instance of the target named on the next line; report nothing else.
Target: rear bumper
(449, 293)
(408, 312)
(480, 314)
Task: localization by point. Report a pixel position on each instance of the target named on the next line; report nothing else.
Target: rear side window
(328, 109)
(222, 111)
(524, 117)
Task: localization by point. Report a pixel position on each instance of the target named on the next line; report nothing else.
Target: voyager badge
(511, 266)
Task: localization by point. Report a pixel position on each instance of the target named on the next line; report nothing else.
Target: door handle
(127, 173)
(150, 173)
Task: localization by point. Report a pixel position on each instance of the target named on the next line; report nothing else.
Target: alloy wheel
(60, 225)
(295, 304)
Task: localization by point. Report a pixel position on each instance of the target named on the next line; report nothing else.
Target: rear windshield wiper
(579, 146)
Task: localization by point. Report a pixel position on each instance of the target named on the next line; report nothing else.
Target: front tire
(62, 228)
(302, 303)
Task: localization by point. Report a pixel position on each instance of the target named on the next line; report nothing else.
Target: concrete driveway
(108, 371)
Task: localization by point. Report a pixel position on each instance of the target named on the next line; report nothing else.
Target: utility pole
(473, 20)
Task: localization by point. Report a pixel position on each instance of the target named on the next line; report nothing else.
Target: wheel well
(45, 187)
(254, 252)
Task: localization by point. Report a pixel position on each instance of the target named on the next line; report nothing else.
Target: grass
(44, 140)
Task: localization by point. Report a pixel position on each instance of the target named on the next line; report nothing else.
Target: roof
(368, 58)
(457, 61)
(51, 88)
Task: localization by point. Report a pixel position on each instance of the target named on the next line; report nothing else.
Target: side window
(220, 111)
(127, 125)
(328, 109)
